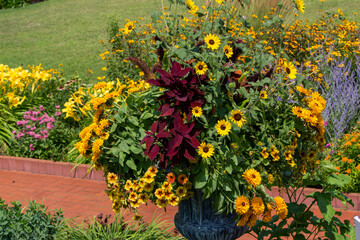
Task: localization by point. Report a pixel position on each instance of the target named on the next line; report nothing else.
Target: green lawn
(64, 32)
(68, 32)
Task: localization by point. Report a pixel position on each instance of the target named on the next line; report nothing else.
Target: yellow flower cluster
(15, 82)
(316, 105)
(250, 210)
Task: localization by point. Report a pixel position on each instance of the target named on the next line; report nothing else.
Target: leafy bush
(35, 223)
(102, 228)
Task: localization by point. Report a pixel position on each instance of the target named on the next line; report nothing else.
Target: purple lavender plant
(342, 94)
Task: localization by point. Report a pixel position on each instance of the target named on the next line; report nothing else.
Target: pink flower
(31, 147)
(331, 151)
(325, 123)
(49, 125)
(37, 136)
(57, 106)
(41, 108)
(57, 114)
(328, 145)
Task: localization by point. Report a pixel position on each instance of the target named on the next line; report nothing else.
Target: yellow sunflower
(196, 111)
(223, 127)
(264, 153)
(252, 177)
(300, 5)
(228, 51)
(206, 150)
(219, 1)
(128, 27)
(212, 41)
(290, 70)
(201, 68)
(237, 117)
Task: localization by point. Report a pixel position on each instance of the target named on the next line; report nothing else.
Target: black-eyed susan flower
(128, 27)
(212, 41)
(201, 68)
(252, 177)
(205, 150)
(196, 111)
(290, 70)
(228, 51)
(263, 95)
(223, 127)
(242, 204)
(237, 117)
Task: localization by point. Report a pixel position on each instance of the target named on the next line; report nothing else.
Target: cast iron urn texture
(196, 220)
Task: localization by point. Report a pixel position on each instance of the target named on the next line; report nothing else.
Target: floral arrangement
(223, 116)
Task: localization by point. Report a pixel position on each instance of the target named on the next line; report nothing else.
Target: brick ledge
(65, 169)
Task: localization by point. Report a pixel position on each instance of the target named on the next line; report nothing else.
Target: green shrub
(13, 3)
(35, 223)
(102, 228)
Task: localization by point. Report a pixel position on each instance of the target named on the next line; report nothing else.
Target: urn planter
(196, 220)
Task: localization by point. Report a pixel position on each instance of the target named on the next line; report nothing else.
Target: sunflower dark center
(226, 51)
(206, 149)
(223, 127)
(130, 27)
(253, 176)
(211, 42)
(243, 204)
(196, 111)
(200, 67)
(287, 70)
(237, 117)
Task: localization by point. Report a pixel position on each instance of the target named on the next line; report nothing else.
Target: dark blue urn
(196, 220)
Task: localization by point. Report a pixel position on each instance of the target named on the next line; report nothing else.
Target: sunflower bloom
(290, 70)
(300, 5)
(212, 41)
(196, 111)
(201, 68)
(242, 204)
(264, 153)
(237, 117)
(281, 207)
(252, 177)
(223, 127)
(267, 214)
(228, 51)
(206, 150)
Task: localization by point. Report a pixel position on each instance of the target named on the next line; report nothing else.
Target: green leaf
(136, 150)
(124, 147)
(131, 164)
(200, 180)
(340, 180)
(324, 204)
(113, 127)
(181, 53)
(146, 115)
(134, 120)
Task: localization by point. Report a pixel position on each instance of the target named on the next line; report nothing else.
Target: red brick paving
(81, 198)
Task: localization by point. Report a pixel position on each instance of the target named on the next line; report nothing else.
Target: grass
(68, 32)
(64, 32)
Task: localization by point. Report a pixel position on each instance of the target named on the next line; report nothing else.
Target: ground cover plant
(32, 223)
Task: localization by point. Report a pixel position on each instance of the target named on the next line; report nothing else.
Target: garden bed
(64, 169)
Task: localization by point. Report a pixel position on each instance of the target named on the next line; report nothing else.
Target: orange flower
(170, 177)
(182, 179)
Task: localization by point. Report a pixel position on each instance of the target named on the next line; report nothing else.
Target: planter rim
(48, 167)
